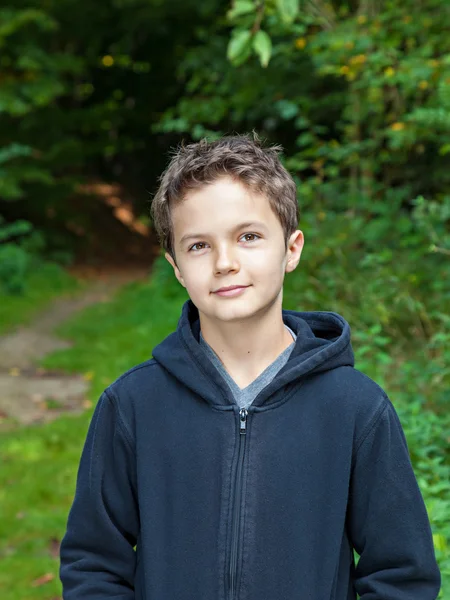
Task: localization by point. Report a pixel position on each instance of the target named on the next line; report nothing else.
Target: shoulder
(139, 372)
(355, 399)
(357, 387)
(135, 394)
(139, 384)
(137, 381)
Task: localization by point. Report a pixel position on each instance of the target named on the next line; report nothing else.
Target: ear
(295, 247)
(175, 268)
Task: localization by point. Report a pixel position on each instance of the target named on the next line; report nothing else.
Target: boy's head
(206, 195)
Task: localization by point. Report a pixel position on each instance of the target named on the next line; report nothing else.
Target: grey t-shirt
(245, 396)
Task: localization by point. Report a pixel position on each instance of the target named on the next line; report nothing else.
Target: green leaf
(13, 151)
(241, 7)
(262, 45)
(288, 10)
(287, 109)
(239, 45)
(445, 149)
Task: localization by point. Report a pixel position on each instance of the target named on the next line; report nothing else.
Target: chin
(234, 313)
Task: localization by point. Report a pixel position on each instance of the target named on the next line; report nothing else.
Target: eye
(255, 235)
(196, 244)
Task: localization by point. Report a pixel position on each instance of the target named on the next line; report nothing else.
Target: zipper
(237, 493)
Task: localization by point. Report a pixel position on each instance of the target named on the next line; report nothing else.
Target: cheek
(196, 277)
(267, 264)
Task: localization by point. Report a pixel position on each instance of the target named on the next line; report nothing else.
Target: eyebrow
(257, 224)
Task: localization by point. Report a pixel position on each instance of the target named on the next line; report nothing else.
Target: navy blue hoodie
(181, 495)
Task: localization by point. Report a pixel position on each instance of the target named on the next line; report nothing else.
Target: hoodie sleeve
(97, 559)
(388, 522)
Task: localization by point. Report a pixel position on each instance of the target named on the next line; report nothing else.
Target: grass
(37, 484)
(37, 479)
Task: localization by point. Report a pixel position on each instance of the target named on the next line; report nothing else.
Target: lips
(231, 287)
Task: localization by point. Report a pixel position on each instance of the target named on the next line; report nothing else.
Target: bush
(14, 258)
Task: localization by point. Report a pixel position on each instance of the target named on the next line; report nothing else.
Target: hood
(323, 343)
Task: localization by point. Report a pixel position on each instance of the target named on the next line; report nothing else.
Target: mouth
(229, 288)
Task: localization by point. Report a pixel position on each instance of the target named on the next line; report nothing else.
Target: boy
(249, 457)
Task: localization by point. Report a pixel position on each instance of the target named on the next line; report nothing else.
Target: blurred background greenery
(93, 96)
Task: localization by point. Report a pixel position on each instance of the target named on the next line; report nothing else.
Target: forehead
(221, 205)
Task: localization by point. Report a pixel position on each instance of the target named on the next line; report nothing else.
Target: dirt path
(31, 395)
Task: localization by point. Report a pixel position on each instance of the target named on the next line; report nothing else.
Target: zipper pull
(243, 420)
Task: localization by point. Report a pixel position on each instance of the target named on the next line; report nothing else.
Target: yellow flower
(362, 19)
(358, 59)
(389, 72)
(108, 61)
(423, 84)
(398, 126)
(300, 43)
(344, 70)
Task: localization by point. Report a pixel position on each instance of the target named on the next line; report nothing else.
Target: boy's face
(223, 253)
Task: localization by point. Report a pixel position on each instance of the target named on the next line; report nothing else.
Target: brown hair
(240, 157)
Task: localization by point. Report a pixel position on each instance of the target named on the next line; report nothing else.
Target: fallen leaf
(14, 372)
(86, 404)
(43, 579)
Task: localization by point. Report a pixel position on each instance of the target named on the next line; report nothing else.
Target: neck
(247, 349)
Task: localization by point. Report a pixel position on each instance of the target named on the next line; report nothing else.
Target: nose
(225, 260)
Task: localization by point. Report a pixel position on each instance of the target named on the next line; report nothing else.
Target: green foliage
(288, 10)
(241, 7)
(366, 92)
(13, 172)
(14, 263)
(77, 100)
(262, 45)
(21, 250)
(239, 46)
(14, 259)
(30, 78)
